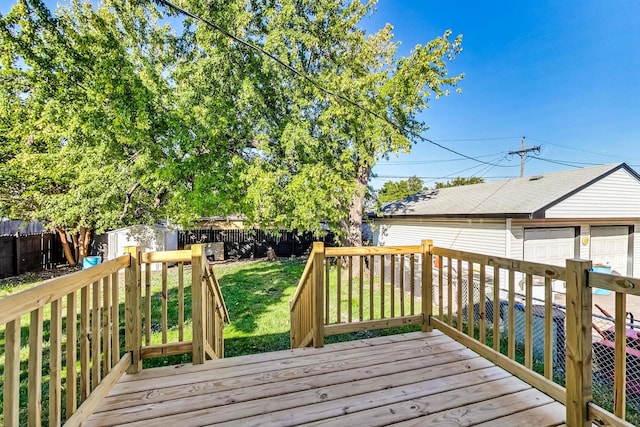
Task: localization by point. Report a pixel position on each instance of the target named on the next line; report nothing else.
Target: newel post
(318, 294)
(427, 284)
(579, 350)
(133, 308)
(197, 305)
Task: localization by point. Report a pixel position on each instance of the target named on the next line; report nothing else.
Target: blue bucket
(601, 269)
(90, 261)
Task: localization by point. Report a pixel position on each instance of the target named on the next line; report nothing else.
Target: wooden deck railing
(501, 308)
(622, 286)
(369, 288)
(86, 308)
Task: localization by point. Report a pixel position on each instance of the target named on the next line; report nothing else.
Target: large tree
(312, 152)
(110, 119)
(458, 181)
(82, 117)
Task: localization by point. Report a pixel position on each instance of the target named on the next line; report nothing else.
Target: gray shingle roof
(517, 197)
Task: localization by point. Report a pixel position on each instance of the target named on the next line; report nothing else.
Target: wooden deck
(413, 379)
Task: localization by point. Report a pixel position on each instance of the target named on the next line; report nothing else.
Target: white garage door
(610, 246)
(549, 245)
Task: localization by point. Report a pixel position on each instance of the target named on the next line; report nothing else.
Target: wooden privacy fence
(501, 308)
(29, 252)
(64, 346)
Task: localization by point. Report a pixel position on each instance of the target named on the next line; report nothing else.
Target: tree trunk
(352, 235)
(83, 243)
(65, 246)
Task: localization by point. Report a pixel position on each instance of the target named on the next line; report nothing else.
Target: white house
(591, 213)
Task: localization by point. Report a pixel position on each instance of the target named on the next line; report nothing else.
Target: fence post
(18, 252)
(579, 369)
(197, 304)
(133, 309)
(426, 286)
(318, 294)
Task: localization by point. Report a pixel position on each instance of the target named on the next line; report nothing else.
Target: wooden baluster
(371, 287)
(497, 307)
(441, 288)
(11, 386)
(34, 387)
(471, 290)
(106, 325)
(460, 286)
(412, 283)
(450, 291)
(383, 260)
(427, 284)
(548, 334)
(115, 318)
(392, 287)
(148, 296)
(482, 305)
(338, 290)
(350, 291)
(55, 364)
(85, 360)
(401, 273)
(511, 345)
(180, 301)
(71, 393)
(620, 364)
(361, 290)
(327, 285)
(165, 301)
(528, 322)
(96, 340)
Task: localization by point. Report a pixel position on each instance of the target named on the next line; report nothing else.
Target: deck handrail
(454, 302)
(93, 297)
(98, 353)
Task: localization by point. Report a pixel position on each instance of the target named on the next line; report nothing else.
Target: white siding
(517, 242)
(616, 196)
(479, 237)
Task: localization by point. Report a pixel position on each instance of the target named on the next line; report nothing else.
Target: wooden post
(318, 294)
(579, 349)
(133, 309)
(427, 284)
(197, 305)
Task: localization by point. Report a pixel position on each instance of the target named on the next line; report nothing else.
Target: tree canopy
(109, 116)
(392, 191)
(458, 181)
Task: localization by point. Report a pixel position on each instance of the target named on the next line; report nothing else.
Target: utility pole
(522, 153)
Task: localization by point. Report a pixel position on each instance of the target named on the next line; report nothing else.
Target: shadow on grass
(252, 291)
(256, 344)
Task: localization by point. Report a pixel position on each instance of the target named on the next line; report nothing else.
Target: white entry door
(549, 245)
(610, 246)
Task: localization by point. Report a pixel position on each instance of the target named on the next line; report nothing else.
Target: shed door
(610, 246)
(549, 245)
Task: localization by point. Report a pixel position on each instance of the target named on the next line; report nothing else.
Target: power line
(311, 81)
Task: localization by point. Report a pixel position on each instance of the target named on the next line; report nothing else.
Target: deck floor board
(409, 379)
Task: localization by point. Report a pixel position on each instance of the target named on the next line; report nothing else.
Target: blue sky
(563, 74)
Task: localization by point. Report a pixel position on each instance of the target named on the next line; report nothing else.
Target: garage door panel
(549, 245)
(610, 246)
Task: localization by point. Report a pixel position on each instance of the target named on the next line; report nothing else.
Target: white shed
(591, 213)
(151, 238)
